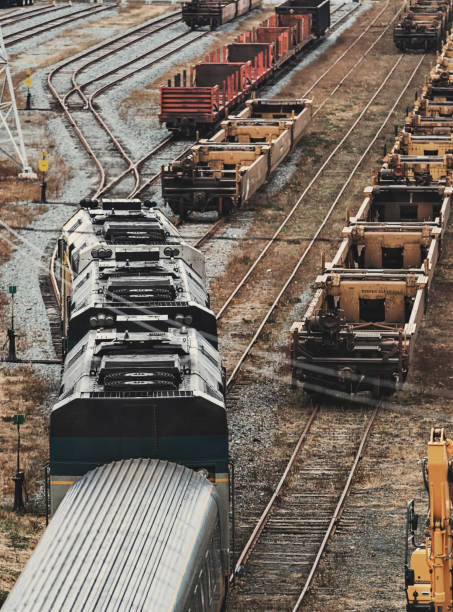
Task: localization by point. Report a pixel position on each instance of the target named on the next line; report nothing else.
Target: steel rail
(212, 230)
(307, 189)
(12, 39)
(262, 521)
(108, 43)
(136, 166)
(338, 60)
(133, 166)
(328, 214)
(97, 59)
(62, 100)
(339, 508)
(37, 12)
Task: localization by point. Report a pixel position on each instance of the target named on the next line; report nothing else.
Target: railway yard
(319, 487)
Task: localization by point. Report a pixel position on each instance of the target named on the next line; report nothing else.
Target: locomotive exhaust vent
(143, 293)
(118, 374)
(135, 233)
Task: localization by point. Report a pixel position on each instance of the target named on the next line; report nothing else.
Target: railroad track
(97, 137)
(279, 561)
(286, 544)
(7, 20)
(265, 273)
(211, 233)
(51, 24)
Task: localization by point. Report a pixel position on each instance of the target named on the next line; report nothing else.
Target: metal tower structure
(11, 140)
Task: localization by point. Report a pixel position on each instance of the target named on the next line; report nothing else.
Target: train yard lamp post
(18, 419)
(28, 84)
(43, 167)
(11, 331)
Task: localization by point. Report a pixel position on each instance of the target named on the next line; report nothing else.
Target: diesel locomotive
(142, 389)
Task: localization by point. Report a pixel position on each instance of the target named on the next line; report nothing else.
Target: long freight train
(138, 436)
(359, 331)
(227, 76)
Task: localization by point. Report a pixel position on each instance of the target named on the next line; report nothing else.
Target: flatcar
(412, 247)
(359, 332)
(423, 25)
(214, 13)
(224, 172)
(137, 534)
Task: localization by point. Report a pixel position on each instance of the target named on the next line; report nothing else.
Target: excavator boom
(429, 572)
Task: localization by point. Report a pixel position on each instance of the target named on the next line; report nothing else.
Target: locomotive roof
(149, 363)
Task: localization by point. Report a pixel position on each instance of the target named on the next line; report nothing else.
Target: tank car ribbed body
(138, 534)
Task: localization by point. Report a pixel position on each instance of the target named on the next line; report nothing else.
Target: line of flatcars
(139, 427)
(225, 171)
(423, 25)
(359, 330)
(227, 76)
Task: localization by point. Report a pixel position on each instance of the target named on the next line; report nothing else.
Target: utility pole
(11, 140)
(18, 419)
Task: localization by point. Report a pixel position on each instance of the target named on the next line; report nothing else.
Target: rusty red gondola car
(227, 76)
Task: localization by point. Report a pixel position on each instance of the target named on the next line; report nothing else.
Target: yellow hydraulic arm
(429, 574)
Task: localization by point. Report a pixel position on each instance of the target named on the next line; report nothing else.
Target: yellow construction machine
(429, 577)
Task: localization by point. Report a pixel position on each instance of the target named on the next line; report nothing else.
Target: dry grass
(21, 392)
(13, 211)
(18, 537)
